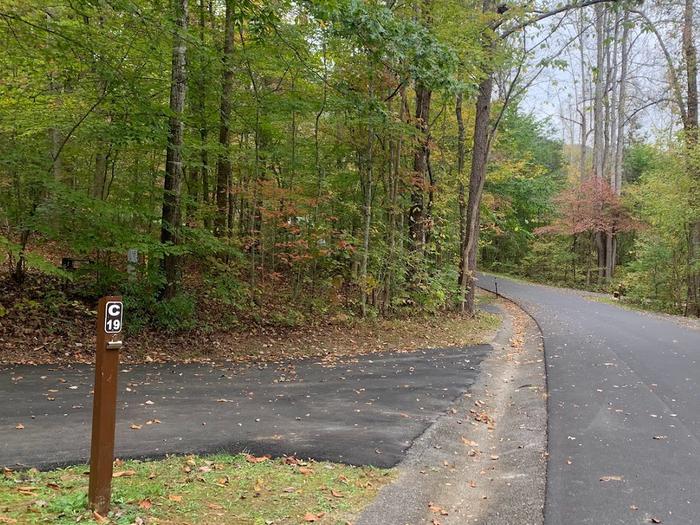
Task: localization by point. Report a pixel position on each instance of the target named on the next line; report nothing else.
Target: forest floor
(241, 489)
(35, 328)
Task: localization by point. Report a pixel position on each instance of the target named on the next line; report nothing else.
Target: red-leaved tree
(591, 206)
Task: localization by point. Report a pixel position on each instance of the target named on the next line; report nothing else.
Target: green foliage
(526, 173)
(176, 314)
(657, 277)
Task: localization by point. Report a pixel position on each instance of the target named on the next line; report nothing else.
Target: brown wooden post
(109, 326)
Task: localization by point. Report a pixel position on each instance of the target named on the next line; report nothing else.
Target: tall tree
(172, 182)
(691, 137)
(223, 161)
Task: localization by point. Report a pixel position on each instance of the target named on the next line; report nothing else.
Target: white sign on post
(113, 317)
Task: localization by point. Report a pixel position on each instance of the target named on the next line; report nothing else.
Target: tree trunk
(223, 162)
(417, 222)
(599, 94)
(203, 187)
(461, 154)
(584, 109)
(54, 88)
(599, 125)
(691, 137)
(621, 104)
(173, 163)
(99, 179)
(480, 153)
(367, 190)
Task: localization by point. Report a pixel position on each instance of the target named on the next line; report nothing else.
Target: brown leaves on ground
(256, 459)
(292, 460)
(311, 517)
(124, 473)
(483, 417)
(437, 509)
(30, 337)
(517, 341)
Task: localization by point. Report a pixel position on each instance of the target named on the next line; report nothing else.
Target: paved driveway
(366, 411)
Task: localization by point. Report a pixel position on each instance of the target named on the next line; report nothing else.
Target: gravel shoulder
(484, 461)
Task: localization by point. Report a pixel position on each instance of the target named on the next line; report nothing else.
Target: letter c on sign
(113, 310)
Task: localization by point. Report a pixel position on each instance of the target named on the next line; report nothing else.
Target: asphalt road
(366, 411)
(624, 409)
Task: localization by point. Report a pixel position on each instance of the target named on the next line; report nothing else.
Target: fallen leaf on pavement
(19, 426)
(134, 426)
(611, 478)
(469, 442)
(437, 510)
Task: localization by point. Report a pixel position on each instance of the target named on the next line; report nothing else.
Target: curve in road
(623, 406)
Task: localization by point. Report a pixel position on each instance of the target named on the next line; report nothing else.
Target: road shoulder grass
(222, 489)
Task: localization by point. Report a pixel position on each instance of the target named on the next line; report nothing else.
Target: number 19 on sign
(113, 317)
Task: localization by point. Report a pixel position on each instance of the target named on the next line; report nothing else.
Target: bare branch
(675, 83)
(552, 12)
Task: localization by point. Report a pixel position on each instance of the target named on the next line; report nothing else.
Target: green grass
(224, 489)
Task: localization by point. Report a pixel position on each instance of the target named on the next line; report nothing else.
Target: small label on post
(113, 317)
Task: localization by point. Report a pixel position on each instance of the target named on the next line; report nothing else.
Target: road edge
(485, 460)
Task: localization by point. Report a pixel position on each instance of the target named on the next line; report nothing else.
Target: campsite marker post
(110, 313)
